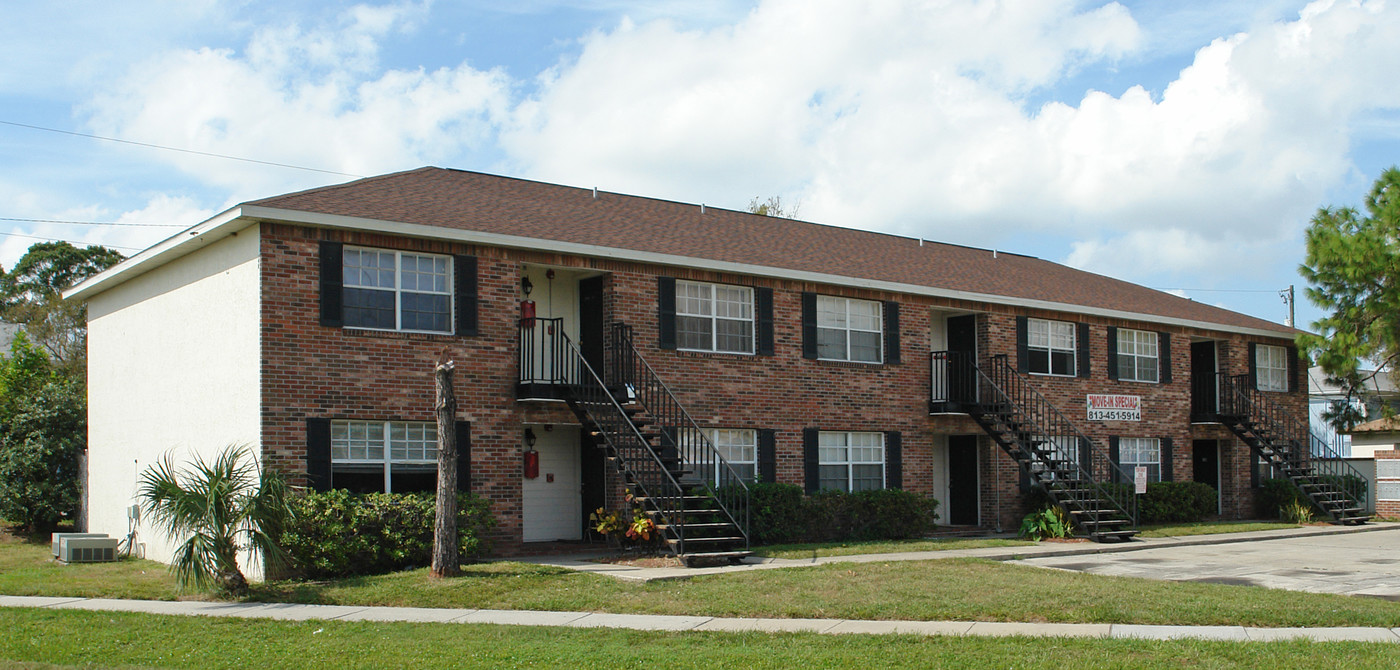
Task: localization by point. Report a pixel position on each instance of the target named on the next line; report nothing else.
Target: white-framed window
(389, 456)
(850, 461)
(1135, 451)
(738, 446)
(1137, 355)
(1051, 348)
(849, 330)
(1387, 479)
(1271, 367)
(397, 290)
(714, 317)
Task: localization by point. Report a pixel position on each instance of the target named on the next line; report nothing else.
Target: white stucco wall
(173, 364)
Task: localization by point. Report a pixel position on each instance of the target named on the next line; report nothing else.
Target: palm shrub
(217, 510)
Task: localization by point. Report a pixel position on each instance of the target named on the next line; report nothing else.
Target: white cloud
(159, 208)
(315, 97)
(908, 117)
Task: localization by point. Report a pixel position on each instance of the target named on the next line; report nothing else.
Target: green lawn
(110, 639)
(959, 589)
(1212, 528)
(881, 547)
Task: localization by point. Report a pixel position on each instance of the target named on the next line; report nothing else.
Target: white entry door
(553, 504)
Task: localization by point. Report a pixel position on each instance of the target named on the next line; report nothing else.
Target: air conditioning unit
(59, 537)
(87, 549)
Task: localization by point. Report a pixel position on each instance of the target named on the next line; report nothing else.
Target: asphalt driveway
(1366, 564)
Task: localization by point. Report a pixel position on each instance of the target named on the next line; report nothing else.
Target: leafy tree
(217, 510)
(1353, 264)
(43, 428)
(774, 206)
(30, 295)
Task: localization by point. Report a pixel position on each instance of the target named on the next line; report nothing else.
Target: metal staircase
(1050, 450)
(697, 501)
(1307, 459)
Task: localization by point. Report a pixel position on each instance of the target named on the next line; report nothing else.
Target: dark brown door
(962, 480)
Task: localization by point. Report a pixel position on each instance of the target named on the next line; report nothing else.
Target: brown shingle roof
(489, 203)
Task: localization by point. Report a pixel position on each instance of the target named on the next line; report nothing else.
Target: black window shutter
(894, 460)
(767, 455)
(1114, 459)
(1083, 356)
(763, 309)
(1023, 359)
(809, 325)
(1166, 465)
(1292, 353)
(464, 456)
(811, 461)
(1112, 352)
(332, 279)
(1164, 357)
(1253, 366)
(318, 454)
(1086, 454)
(465, 266)
(666, 312)
(891, 332)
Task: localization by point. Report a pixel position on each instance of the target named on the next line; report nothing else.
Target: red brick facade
(311, 371)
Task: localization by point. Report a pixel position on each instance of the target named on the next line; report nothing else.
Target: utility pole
(1288, 299)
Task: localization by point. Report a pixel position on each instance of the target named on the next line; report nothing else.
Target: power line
(186, 151)
(1219, 290)
(59, 239)
(93, 223)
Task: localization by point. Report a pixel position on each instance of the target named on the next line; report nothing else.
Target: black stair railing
(1301, 450)
(709, 470)
(586, 392)
(952, 380)
(542, 354)
(1003, 389)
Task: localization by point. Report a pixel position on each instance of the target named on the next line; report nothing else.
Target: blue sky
(1172, 144)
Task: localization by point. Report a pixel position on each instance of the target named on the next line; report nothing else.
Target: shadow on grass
(332, 591)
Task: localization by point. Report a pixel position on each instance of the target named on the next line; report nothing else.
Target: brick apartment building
(674, 348)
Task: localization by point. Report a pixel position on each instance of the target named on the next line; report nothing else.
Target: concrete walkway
(289, 612)
(589, 563)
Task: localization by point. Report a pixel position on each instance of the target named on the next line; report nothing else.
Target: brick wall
(313, 371)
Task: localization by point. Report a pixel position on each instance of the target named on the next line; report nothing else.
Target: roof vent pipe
(595, 192)
(921, 241)
(994, 253)
(702, 208)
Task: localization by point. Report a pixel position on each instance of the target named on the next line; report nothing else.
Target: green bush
(776, 513)
(1176, 502)
(337, 533)
(780, 513)
(892, 514)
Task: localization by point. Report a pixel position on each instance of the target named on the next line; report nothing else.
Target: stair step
(709, 558)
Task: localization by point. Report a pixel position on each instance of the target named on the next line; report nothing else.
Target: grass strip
(144, 640)
(799, 551)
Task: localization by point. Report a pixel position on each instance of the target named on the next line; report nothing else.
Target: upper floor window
(389, 456)
(849, 330)
(397, 290)
(1137, 355)
(851, 461)
(1271, 367)
(714, 317)
(1050, 346)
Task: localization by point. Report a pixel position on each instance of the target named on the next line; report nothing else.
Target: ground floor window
(1144, 451)
(739, 447)
(387, 456)
(850, 461)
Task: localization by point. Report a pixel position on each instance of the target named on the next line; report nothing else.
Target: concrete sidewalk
(589, 563)
(655, 622)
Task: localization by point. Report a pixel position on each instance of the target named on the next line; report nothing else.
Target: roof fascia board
(177, 245)
(520, 242)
